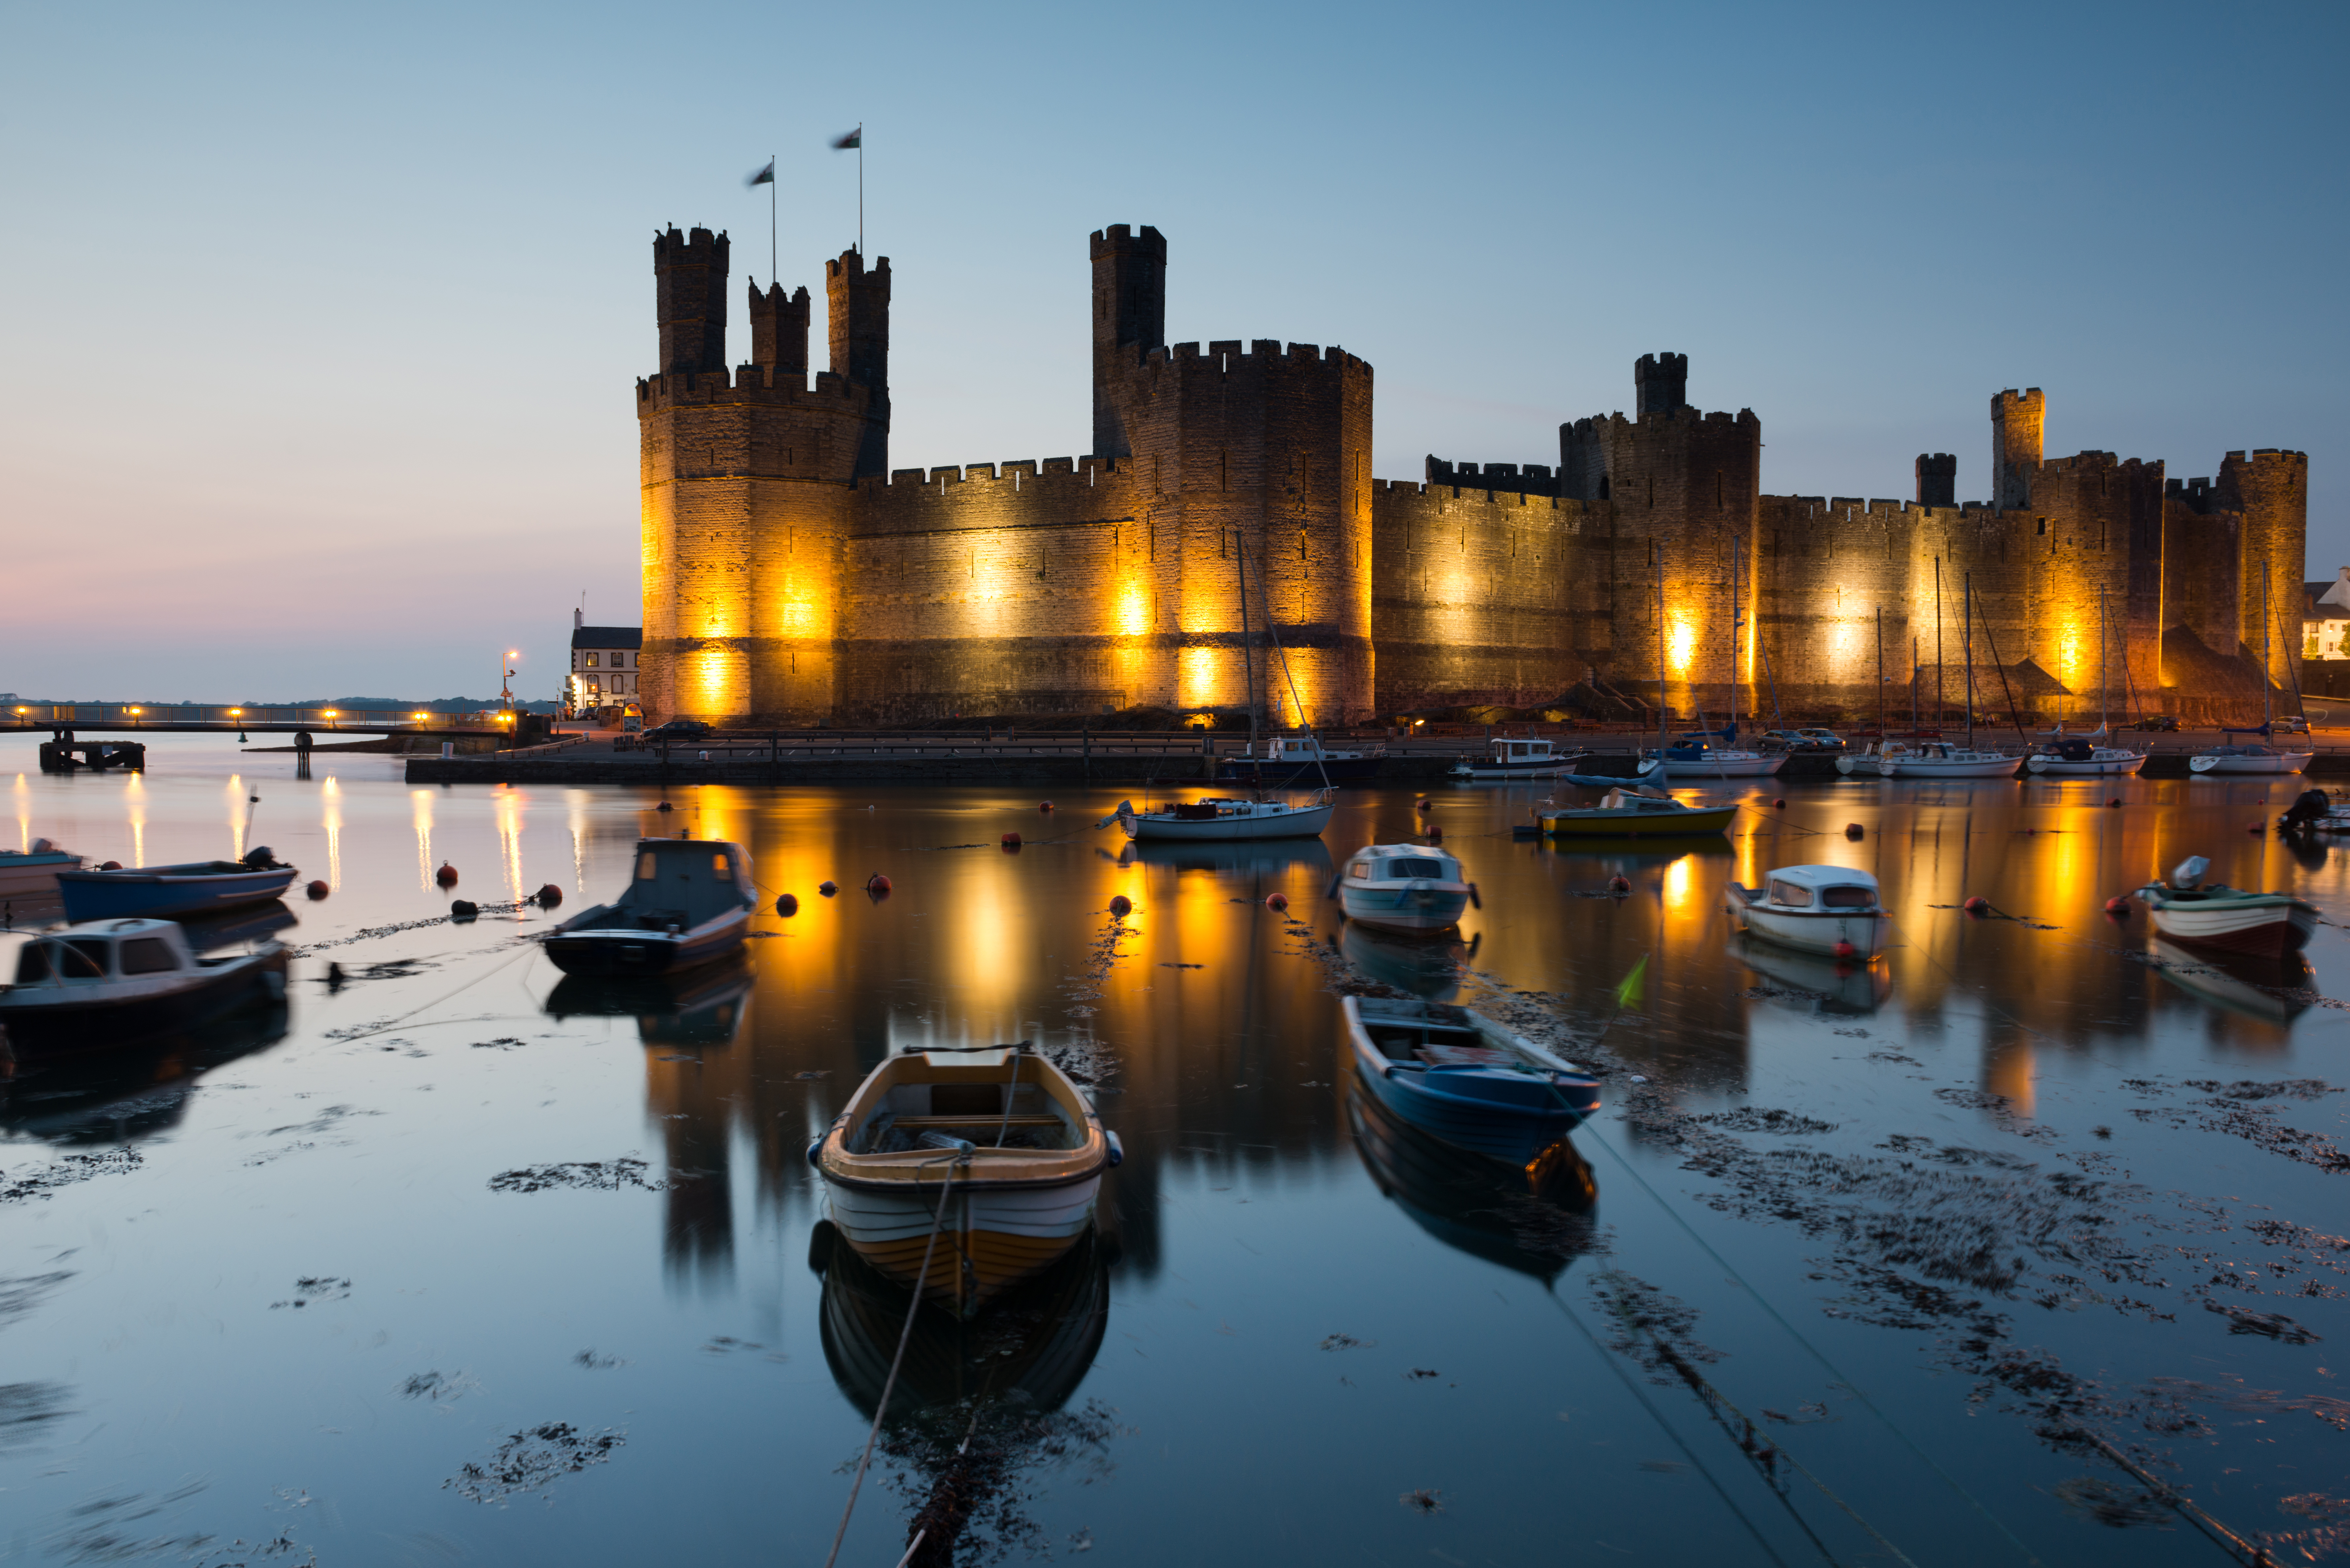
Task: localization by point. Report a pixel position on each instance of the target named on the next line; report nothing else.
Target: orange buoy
(1276, 901)
(1011, 841)
(1043, 805)
(877, 884)
(828, 888)
(1845, 950)
(317, 889)
(787, 905)
(1423, 805)
(446, 875)
(1121, 906)
(1977, 906)
(2117, 905)
(111, 865)
(1432, 833)
(1619, 883)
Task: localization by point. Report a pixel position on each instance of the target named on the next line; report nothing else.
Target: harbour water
(2026, 1246)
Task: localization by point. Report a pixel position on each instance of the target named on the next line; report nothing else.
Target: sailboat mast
(1968, 637)
(1880, 678)
(1737, 619)
(1248, 658)
(2268, 719)
(1660, 655)
(2104, 700)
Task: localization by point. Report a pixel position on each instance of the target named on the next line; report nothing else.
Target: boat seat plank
(930, 1124)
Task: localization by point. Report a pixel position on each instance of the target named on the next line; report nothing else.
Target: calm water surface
(1954, 1238)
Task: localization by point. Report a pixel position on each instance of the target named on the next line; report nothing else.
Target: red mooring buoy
(1977, 905)
(1852, 830)
(1121, 906)
(1043, 805)
(317, 889)
(2115, 801)
(2117, 905)
(1620, 884)
(787, 905)
(828, 888)
(1276, 901)
(878, 885)
(548, 895)
(1780, 804)
(1011, 841)
(446, 875)
(1846, 949)
(2255, 828)
(1423, 805)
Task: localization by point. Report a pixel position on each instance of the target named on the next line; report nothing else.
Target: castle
(792, 578)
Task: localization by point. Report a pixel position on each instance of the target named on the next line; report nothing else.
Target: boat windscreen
(1846, 897)
(32, 963)
(1401, 866)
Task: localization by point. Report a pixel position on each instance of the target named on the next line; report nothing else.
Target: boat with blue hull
(689, 902)
(1457, 1075)
(174, 892)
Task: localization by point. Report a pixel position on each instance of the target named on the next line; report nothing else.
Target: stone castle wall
(792, 578)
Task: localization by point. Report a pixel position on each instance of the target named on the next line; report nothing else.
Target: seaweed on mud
(443, 1388)
(2113, 1505)
(1746, 1118)
(1656, 1330)
(2328, 1534)
(533, 1460)
(2235, 1395)
(1888, 1298)
(1423, 1501)
(40, 1182)
(27, 1413)
(316, 1288)
(1999, 1108)
(969, 1470)
(2235, 1110)
(588, 1175)
(2269, 1325)
(20, 1293)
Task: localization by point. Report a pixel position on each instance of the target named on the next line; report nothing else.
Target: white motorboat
(1218, 817)
(1518, 759)
(2228, 919)
(1830, 910)
(1696, 760)
(1870, 763)
(33, 872)
(1941, 759)
(1285, 757)
(1013, 1136)
(1411, 888)
(1635, 813)
(2236, 761)
(2078, 758)
(110, 982)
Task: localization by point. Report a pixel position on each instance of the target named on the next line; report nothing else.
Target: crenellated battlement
(766, 386)
(1228, 357)
(1024, 474)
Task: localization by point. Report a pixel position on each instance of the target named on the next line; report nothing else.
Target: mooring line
(403, 1020)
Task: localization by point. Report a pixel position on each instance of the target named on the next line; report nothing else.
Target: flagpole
(860, 189)
(772, 274)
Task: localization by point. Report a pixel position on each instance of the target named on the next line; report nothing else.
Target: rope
(913, 1309)
(396, 1022)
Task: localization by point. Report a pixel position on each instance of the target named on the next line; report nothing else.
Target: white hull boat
(1216, 819)
(110, 982)
(1829, 909)
(1712, 762)
(1941, 762)
(33, 874)
(1408, 888)
(2253, 761)
(2100, 762)
(1518, 759)
(1006, 1138)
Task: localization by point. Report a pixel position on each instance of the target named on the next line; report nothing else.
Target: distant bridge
(63, 720)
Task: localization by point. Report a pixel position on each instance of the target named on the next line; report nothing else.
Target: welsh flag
(855, 139)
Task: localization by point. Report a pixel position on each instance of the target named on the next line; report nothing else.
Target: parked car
(677, 730)
(1802, 740)
(2289, 724)
(2165, 722)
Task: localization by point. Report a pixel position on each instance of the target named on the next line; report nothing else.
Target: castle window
(2043, 527)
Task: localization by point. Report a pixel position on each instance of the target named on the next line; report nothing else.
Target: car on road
(677, 730)
(2166, 723)
(2289, 724)
(1802, 740)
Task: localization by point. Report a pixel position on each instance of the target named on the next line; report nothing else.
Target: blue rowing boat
(1461, 1077)
(174, 892)
(1649, 768)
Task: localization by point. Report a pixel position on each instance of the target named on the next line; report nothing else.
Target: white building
(2325, 617)
(604, 664)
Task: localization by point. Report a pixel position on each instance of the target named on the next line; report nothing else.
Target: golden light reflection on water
(24, 816)
(240, 815)
(134, 811)
(575, 816)
(511, 804)
(420, 801)
(331, 817)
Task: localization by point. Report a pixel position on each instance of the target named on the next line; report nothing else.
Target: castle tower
(2018, 426)
(2271, 491)
(1660, 382)
(1129, 320)
(745, 498)
(689, 292)
(859, 302)
(1937, 479)
(779, 330)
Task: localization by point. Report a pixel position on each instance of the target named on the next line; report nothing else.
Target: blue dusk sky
(324, 321)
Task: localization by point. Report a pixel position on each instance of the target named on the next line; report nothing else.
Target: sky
(324, 322)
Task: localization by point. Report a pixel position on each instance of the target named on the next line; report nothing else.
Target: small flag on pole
(1628, 993)
(854, 140)
(765, 176)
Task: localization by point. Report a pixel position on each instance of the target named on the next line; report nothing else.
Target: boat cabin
(1402, 863)
(681, 883)
(1525, 752)
(112, 950)
(1837, 887)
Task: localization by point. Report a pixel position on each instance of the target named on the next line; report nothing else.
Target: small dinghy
(2227, 918)
(1409, 888)
(1221, 818)
(1635, 814)
(1518, 759)
(689, 902)
(168, 892)
(1462, 1078)
(33, 874)
(1829, 909)
(1008, 1139)
(113, 983)
(1648, 768)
